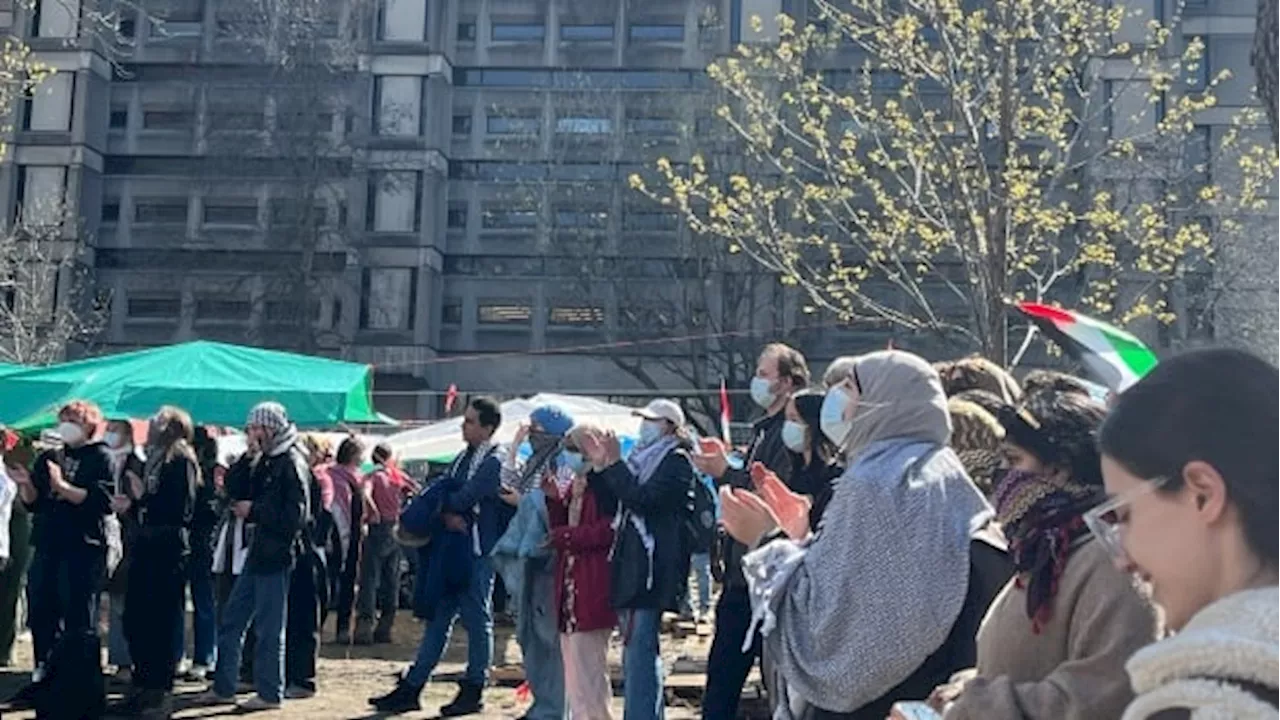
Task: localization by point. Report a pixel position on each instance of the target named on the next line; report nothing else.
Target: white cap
(663, 410)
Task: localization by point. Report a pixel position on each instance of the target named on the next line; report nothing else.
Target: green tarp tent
(217, 383)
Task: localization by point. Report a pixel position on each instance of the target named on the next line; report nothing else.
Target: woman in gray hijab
(887, 595)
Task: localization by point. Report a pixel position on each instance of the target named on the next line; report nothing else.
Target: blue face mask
(574, 461)
(650, 432)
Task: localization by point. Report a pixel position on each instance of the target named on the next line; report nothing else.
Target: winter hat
(553, 419)
(270, 415)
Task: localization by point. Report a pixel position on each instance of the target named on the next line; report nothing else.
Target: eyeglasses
(1104, 520)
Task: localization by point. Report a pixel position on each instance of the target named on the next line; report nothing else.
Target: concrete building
(474, 152)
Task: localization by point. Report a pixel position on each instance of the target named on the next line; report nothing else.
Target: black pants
(344, 586)
(727, 665)
(12, 578)
(302, 629)
(62, 590)
(146, 605)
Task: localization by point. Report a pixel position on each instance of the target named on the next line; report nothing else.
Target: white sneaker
(38, 674)
(256, 703)
(197, 673)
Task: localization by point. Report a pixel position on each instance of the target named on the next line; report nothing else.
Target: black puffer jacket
(661, 502)
(280, 487)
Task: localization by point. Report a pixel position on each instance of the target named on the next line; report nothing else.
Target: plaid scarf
(1042, 518)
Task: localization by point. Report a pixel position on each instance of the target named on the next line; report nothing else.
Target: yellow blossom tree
(923, 163)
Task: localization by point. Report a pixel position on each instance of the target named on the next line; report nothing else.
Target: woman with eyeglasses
(1189, 459)
(1055, 641)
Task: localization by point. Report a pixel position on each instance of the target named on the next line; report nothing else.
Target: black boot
(155, 705)
(382, 633)
(404, 698)
(468, 702)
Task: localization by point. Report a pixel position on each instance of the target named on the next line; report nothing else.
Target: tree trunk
(1264, 58)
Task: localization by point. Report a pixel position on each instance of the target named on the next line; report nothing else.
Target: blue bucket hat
(553, 419)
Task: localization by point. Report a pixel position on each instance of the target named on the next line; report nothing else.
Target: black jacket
(280, 490)
(661, 503)
(162, 536)
(60, 524)
(768, 449)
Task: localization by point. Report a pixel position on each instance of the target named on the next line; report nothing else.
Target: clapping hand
(58, 485)
(790, 509)
(601, 448)
(745, 516)
(120, 504)
(712, 457)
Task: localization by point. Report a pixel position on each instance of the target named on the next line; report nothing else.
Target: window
(651, 221)
(402, 20)
(223, 309)
(163, 306)
(42, 193)
(127, 28)
(653, 126)
(111, 211)
(461, 124)
(586, 33)
(457, 216)
(395, 202)
(49, 108)
(230, 214)
(234, 120)
(502, 78)
(287, 212)
(656, 33)
(160, 211)
(1133, 112)
(517, 32)
(504, 313)
(55, 18)
(499, 218)
(167, 120)
(576, 316)
(119, 119)
(397, 105)
(582, 218)
(389, 296)
(451, 313)
(584, 126)
(500, 125)
(466, 32)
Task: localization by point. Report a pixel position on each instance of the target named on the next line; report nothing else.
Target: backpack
(700, 518)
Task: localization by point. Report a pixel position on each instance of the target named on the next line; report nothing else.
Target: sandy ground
(348, 676)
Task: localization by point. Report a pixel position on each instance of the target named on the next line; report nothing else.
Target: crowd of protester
(900, 540)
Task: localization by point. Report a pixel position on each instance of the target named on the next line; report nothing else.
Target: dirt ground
(348, 676)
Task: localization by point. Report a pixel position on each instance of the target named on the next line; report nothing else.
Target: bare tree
(45, 304)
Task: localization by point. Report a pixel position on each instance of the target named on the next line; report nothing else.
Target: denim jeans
(701, 566)
(117, 645)
(379, 574)
(642, 692)
(260, 598)
(476, 611)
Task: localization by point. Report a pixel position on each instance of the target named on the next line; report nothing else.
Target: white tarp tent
(440, 442)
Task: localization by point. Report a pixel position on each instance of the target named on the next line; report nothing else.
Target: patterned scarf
(1042, 518)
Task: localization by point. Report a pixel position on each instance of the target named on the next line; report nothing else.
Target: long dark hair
(809, 408)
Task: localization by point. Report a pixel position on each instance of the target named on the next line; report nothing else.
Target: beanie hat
(270, 415)
(553, 419)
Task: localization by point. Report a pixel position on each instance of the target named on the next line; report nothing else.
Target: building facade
(460, 167)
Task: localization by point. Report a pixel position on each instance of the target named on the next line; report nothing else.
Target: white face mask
(793, 436)
(650, 432)
(71, 434)
(831, 417)
(762, 392)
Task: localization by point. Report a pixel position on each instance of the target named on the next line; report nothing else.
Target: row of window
(508, 218)
(237, 212)
(581, 79)
(537, 32)
(531, 125)
(184, 120)
(521, 313)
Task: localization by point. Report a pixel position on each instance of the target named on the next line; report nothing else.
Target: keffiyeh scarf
(1042, 517)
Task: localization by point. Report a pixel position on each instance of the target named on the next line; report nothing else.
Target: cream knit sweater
(1234, 639)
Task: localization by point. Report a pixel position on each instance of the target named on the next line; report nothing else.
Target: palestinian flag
(1116, 357)
(725, 434)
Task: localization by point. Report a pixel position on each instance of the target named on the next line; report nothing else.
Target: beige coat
(1073, 669)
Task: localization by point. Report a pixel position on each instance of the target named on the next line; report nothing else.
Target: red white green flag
(1116, 357)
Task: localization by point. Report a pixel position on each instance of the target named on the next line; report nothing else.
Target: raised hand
(745, 516)
(593, 448)
(712, 457)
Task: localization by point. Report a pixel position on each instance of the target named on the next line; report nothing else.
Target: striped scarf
(1042, 517)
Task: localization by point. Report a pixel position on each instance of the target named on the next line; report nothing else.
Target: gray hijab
(855, 610)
